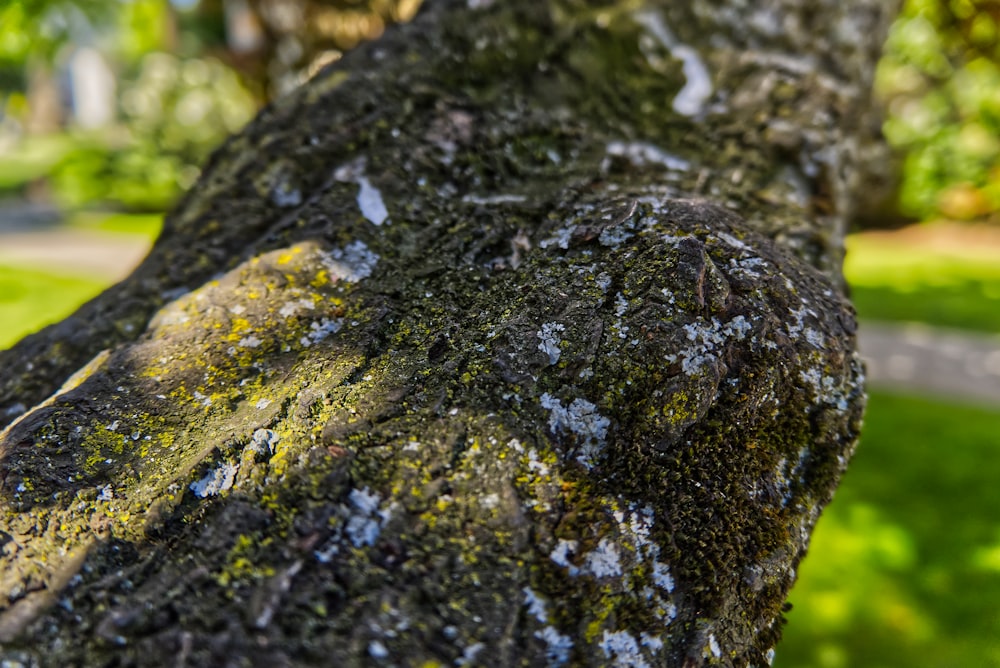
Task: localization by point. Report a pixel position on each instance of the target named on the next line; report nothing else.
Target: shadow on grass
(904, 568)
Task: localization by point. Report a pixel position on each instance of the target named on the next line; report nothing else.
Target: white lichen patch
(619, 328)
(371, 203)
(536, 465)
(216, 481)
(692, 98)
(285, 195)
(560, 555)
(748, 267)
(732, 241)
(494, 199)
(377, 650)
(469, 654)
(713, 648)
(653, 643)
(615, 236)
(560, 239)
(352, 263)
(293, 307)
(366, 521)
(581, 419)
(603, 561)
(635, 525)
(826, 389)
(621, 305)
(548, 340)
(623, 650)
(321, 330)
(250, 341)
(557, 645)
(641, 154)
(799, 316)
(706, 338)
(662, 577)
(263, 441)
(536, 605)
(369, 197)
(363, 518)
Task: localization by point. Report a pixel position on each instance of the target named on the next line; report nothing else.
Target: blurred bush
(173, 112)
(189, 72)
(185, 75)
(940, 80)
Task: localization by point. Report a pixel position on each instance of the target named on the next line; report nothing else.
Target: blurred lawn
(146, 225)
(954, 287)
(29, 300)
(904, 567)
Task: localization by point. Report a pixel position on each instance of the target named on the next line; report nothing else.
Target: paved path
(945, 363)
(94, 254)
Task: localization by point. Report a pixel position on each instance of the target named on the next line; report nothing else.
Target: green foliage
(41, 27)
(904, 568)
(174, 111)
(33, 158)
(941, 80)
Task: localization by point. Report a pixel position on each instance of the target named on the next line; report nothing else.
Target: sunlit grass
(946, 287)
(29, 300)
(146, 225)
(904, 568)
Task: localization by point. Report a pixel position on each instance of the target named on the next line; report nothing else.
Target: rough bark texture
(578, 399)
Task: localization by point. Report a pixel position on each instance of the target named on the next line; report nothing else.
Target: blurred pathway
(93, 254)
(916, 358)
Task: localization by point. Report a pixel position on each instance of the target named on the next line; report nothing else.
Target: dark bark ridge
(466, 368)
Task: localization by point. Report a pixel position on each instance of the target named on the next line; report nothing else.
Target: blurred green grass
(958, 288)
(904, 567)
(30, 299)
(146, 225)
(33, 297)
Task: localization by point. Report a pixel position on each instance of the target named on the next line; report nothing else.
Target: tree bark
(515, 338)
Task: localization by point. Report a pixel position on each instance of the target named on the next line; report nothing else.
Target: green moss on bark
(556, 409)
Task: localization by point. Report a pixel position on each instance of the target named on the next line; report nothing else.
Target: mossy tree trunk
(515, 338)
